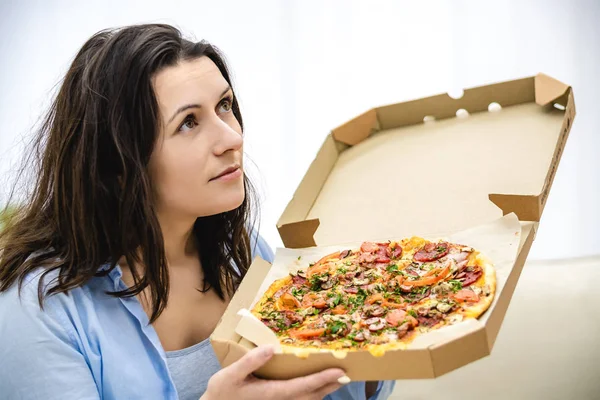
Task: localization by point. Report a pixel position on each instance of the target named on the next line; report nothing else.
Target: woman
(137, 234)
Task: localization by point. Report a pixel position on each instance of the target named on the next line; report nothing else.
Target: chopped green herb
(336, 326)
(348, 263)
(311, 264)
(337, 300)
(299, 258)
(392, 268)
(412, 313)
(456, 285)
(316, 311)
(342, 270)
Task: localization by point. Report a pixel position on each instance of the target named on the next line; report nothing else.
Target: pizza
(378, 297)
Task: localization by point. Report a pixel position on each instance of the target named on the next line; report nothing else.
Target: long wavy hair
(91, 201)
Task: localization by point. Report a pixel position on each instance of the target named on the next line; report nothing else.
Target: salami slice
(471, 277)
(431, 252)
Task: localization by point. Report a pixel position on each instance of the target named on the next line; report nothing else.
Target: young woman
(136, 234)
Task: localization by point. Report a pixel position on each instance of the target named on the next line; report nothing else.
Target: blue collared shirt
(89, 345)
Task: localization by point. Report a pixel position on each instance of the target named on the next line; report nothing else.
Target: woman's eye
(189, 123)
(225, 106)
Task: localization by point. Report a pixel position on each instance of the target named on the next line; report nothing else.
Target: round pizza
(378, 297)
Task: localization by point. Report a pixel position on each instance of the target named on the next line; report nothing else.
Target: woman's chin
(230, 202)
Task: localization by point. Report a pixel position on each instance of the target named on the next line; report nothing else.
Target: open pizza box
(475, 169)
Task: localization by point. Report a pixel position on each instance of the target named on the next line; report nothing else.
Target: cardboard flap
(358, 129)
(230, 319)
(299, 234)
(549, 90)
(527, 208)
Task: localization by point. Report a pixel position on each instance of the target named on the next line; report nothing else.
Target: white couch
(547, 348)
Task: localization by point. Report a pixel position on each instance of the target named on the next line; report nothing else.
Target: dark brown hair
(91, 201)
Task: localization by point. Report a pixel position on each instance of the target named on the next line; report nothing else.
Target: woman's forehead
(196, 81)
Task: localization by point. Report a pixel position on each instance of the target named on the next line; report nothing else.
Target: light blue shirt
(89, 345)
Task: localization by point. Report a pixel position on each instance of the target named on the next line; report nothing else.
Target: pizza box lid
(416, 167)
(421, 168)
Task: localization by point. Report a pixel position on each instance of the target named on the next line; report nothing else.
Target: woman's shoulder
(29, 306)
(260, 247)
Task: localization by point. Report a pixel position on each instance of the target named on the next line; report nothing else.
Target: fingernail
(344, 380)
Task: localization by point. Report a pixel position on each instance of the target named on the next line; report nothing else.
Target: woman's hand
(237, 382)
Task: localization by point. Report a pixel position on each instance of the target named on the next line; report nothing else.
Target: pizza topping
(367, 258)
(466, 295)
(360, 336)
(443, 307)
(396, 251)
(360, 282)
(345, 253)
(314, 300)
(431, 252)
(298, 280)
(471, 277)
(403, 329)
(307, 333)
(375, 324)
(288, 302)
(334, 299)
(329, 283)
(443, 288)
(389, 304)
(291, 318)
(395, 317)
(429, 321)
(373, 311)
(383, 253)
(374, 298)
(431, 277)
(351, 289)
(459, 257)
(369, 247)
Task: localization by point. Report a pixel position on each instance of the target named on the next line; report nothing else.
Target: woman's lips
(229, 174)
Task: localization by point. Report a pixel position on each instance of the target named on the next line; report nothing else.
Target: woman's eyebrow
(188, 106)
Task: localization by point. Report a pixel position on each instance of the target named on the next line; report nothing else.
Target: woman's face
(196, 166)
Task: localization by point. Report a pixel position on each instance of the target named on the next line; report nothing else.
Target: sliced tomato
(466, 295)
(436, 275)
(313, 300)
(317, 269)
(374, 298)
(307, 333)
(369, 247)
(389, 304)
(288, 302)
(400, 279)
(395, 317)
(340, 309)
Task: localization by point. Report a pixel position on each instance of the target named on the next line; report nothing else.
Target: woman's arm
(38, 357)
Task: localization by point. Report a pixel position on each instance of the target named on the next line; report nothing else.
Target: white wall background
(304, 67)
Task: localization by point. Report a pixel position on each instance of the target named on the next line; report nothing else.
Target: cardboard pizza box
(426, 167)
